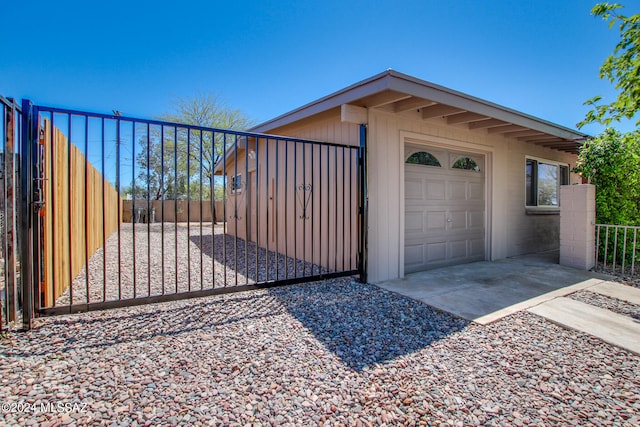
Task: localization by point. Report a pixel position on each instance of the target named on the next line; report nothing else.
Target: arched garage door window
(423, 158)
(466, 163)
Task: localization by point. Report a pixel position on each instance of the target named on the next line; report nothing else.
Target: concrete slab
(618, 291)
(616, 329)
(487, 291)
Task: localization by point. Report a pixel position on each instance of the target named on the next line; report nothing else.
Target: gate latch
(38, 201)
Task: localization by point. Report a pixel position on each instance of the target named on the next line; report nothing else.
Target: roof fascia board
(352, 93)
(404, 83)
(393, 80)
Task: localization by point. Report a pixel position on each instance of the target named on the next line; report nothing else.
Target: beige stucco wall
(270, 209)
(510, 229)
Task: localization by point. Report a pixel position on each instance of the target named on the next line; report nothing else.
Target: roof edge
(394, 80)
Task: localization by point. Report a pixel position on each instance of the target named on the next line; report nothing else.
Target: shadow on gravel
(363, 324)
(360, 324)
(247, 263)
(101, 329)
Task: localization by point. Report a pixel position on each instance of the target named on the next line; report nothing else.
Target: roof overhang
(396, 92)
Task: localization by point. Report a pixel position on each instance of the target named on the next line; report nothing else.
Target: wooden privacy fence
(178, 211)
(81, 210)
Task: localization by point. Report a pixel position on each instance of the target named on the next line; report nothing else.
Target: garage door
(444, 208)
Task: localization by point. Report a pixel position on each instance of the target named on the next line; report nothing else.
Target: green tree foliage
(211, 112)
(183, 164)
(622, 68)
(611, 162)
(162, 165)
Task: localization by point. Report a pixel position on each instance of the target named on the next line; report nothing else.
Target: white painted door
(444, 208)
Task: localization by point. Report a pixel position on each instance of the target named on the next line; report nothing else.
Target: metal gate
(125, 211)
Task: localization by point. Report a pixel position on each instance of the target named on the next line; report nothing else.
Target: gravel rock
(613, 304)
(141, 260)
(327, 353)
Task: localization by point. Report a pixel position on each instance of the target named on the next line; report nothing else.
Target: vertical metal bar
(234, 184)
(635, 249)
(313, 216)
(212, 210)
(213, 207)
(54, 203)
(351, 209)
(133, 197)
(247, 214)
(28, 135)
(70, 189)
(214, 160)
(86, 206)
(624, 249)
(328, 209)
(10, 266)
(175, 203)
(104, 208)
(615, 248)
(362, 205)
(267, 203)
(286, 211)
(295, 210)
(335, 214)
(598, 227)
(256, 206)
(162, 191)
(224, 207)
(149, 211)
(606, 246)
(304, 209)
(38, 274)
(118, 141)
(188, 209)
(344, 208)
(277, 205)
(320, 218)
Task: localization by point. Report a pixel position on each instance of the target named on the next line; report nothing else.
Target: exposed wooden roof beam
(412, 103)
(465, 118)
(543, 137)
(439, 110)
(382, 98)
(483, 124)
(523, 133)
(551, 142)
(504, 129)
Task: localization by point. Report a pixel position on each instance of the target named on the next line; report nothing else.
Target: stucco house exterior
(450, 178)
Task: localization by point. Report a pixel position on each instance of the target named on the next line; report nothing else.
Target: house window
(423, 158)
(543, 181)
(236, 184)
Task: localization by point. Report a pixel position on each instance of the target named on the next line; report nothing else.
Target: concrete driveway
(484, 292)
(487, 291)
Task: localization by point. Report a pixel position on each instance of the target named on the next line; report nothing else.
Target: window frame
(532, 193)
(234, 188)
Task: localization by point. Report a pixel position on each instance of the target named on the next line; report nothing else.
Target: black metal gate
(125, 211)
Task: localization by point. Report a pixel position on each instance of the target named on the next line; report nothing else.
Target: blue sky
(266, 58)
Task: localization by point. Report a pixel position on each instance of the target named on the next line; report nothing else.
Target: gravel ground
(188, 258)
(325, 353)
(613, 304)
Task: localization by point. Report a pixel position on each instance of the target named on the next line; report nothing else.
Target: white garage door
(444, 208)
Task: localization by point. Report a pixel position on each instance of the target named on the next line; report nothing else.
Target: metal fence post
(11, 288)
(363, 203)
(26, 212)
